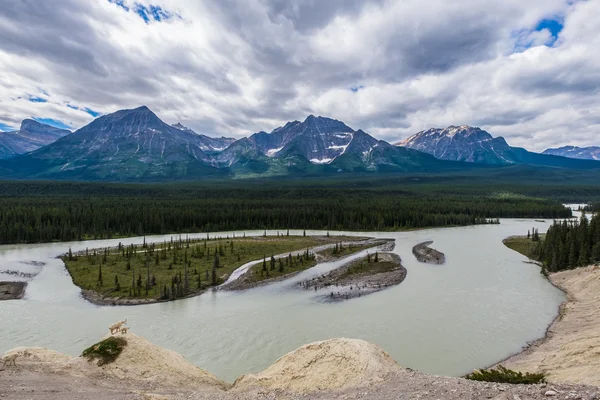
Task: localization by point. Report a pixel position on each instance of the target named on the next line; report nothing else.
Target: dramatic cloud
(528, 70)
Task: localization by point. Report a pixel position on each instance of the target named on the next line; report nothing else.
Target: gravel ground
(19, 384)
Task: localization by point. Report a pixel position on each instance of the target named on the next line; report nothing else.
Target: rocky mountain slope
(583, 153)
(131, 144)
(208, 144)
(474, 145)
(31, 136)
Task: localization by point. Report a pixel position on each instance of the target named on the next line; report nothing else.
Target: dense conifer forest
(59, 211)
(570, 244)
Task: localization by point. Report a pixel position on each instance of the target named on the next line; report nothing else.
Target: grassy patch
(522, 245)
(105, 351)
(372, 264)
(275, 268)
(342, 250)
(176, 268)
(505, 375)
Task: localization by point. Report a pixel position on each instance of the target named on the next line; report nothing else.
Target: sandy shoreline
(570, 350)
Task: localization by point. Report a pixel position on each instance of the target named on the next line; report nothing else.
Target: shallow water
(482, 305)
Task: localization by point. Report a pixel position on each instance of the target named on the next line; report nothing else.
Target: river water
(482, 305)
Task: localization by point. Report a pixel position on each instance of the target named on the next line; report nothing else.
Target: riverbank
(426, 254)
(569, 351)
(253, 276)
(331, 369)
(12, 290)
(359, 278)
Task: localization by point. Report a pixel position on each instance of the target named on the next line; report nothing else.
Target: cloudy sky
(528, 70)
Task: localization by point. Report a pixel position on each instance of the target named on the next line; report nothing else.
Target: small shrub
(105, 351)
(505, 375)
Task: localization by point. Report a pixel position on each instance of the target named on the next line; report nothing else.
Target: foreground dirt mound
(144, 361)
(331, 364)
(139, 362)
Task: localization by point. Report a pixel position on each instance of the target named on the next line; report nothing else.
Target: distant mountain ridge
(582, 153)
(474, 145)
(31, 136)
(136, 145)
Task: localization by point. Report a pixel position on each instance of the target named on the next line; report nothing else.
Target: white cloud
(232, 67)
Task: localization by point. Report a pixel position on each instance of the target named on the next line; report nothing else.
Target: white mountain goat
(116, 327)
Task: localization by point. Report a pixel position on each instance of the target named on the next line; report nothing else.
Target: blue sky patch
(119, 3)
(523, 39)
(85, 109)
(35, 99)
(6, 128)
(356, 88)
(150, 13)
(52, 122)
(92, 112)
(147, 13)
(555, 26)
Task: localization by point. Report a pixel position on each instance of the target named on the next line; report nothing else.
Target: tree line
(119, 211)
(570, 244)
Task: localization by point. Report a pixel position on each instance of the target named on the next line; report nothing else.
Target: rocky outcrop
(326, 365)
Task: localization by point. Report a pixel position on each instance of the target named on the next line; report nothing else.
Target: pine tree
(214, 269)
(100, 283)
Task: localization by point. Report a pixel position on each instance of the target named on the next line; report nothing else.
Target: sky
(528, 70)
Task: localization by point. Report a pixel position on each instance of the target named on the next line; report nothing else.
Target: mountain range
(136, 145)
(31, 136)
(584, 153)
(474, 145)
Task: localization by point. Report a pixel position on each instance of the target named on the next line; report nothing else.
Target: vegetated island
(12, 290)
(358, 278)
(183, 267)
(426, 254)
(284, 267)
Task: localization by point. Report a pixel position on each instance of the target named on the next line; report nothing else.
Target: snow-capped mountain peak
(460, 143)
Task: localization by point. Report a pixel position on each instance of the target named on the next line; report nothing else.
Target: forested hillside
(42, 212)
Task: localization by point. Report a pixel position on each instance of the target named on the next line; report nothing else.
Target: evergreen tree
(214, 269)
